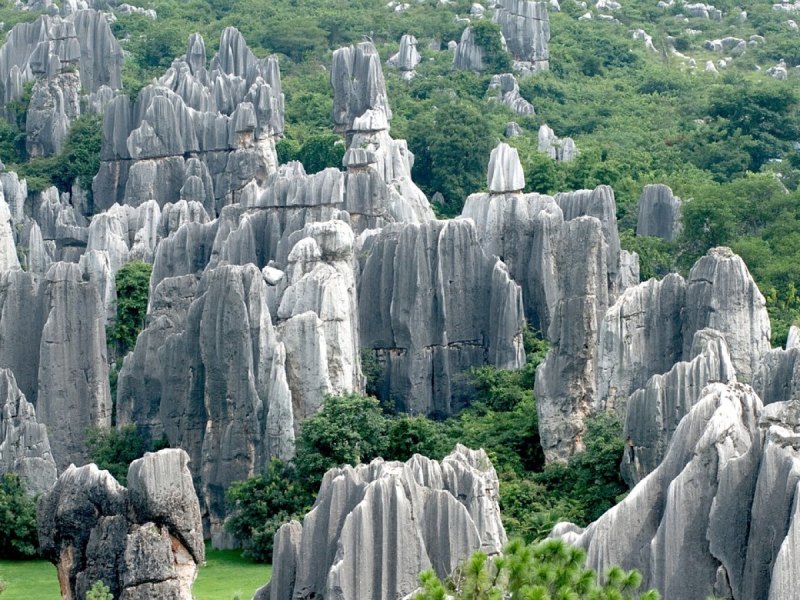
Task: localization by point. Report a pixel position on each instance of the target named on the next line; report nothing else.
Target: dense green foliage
(133, 289)
(78, 161)
(488, 37)
(115, 448)
(501, 419)
(548, 570)
(18, 533)
(259, 505)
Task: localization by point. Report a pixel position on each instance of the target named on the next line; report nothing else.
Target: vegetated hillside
(638, 111)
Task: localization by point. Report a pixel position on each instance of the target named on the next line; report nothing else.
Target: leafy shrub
(99, 591)
(18, 533)
(349, 429)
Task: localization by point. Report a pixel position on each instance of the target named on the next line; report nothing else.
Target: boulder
(659, 213)
(143, 542)
(505, 171)
(407, 58)
(505, 89)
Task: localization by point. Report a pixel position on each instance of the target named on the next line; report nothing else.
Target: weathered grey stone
(407, 58)
(563, 149)
(641, 335)
(653, 412)
(659, 212)
(287, 546)
(566, 382)
(96, 268)
(504, 88)
(522, 230)
(358, 85)
(160, 490)
(15, 192)
(526, 29)
(225, 116)
(55, 102)
(722, 295)
(689, 517)
(24, 446)
(52, 336)
(505, 171)
(73, 390)
(375, 526)
(468, 54)
(513, 129)
(424, 329)
(8, 249)
(143, 542)
(598, 203)
(793, 338)
(777, 378)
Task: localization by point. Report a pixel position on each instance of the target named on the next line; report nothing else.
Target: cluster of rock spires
(269, 283)
(62, 56)
(719, 514)
(200, 133)
(144, 541)
(525, 27)
(375, 527)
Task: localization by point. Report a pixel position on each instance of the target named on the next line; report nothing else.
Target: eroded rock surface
(142, 542)
(718, 515)
(24, 446)
(437, 306)
(374, 527)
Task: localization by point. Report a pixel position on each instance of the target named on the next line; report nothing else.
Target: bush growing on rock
(548, 570)
(133, 288)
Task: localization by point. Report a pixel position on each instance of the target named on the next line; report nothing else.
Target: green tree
(114, 449)
(548, 570)
(133, 288)
(18, 533)
(488, 37)
(452, 144)
(349, 429)
(260, 505)
(320, 152)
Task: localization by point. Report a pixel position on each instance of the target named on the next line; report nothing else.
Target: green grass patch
(28, 579)
(225, 576)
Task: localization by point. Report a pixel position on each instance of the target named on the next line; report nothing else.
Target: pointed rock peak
(505, 170)
(793, 339)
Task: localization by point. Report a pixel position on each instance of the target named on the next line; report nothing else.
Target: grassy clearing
(28, 579)
(225, 576)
